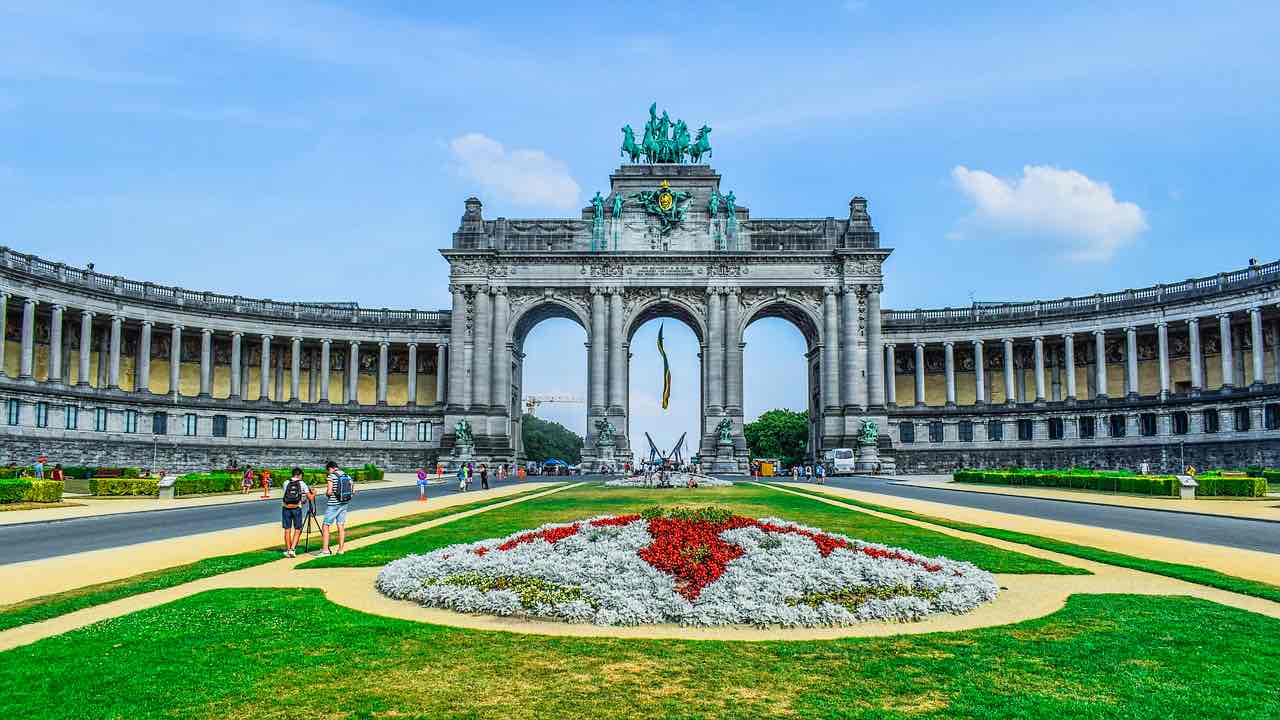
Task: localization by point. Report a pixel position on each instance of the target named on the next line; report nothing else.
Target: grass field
(750, 500)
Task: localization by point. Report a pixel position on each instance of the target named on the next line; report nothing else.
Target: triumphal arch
(668, 239)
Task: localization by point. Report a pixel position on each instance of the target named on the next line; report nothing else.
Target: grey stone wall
(1164, 457)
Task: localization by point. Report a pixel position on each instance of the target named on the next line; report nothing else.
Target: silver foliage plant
(766, 586)
(676, 479)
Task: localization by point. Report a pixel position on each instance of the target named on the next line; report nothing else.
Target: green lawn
(1188, 573)
(49, 606)
(241, 654)
(746, 499)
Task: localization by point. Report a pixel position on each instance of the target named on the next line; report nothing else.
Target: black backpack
(293, 494)
(342, 488)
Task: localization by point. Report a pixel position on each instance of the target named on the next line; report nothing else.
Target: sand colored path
(1250, 509)
(1252, 564)
(1023, 597)
(36, 578)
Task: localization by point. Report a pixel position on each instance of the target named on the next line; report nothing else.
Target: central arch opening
(682, 341)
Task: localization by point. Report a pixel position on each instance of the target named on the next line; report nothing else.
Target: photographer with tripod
(296, 492)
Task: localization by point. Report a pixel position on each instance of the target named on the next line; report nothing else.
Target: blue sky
(305, 150)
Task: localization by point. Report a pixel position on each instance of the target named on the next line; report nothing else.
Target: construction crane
(531, 402)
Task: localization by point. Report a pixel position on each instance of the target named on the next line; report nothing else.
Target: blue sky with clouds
(307, 150)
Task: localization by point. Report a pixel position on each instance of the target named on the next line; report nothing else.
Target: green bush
(118, 486)
(9, 473)
(1211, 485)
(27, 490)
(1111, 481)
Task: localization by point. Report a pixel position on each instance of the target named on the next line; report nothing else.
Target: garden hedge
(1210, 484)
(117, 486)
(1215, 485)
(220, 481)
(28, 490)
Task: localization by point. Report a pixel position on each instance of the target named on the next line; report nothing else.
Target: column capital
(353, 343)
(413, 344)
(237, 334)
(296, 339)
(30, 301)
(1097, 333)
(176, 326)
(1162, 323)
(1254, 310)
(326, 341)
(498, 289)
(145, 323)
(948, 343)
(1037, 338)
(457, 288)
(830, 290)
(59, 307)
(383, 344)
(114, 317)
(1007, 341)
(1130, 328)
(87, 313)
(1069, 337)
(977, 342)
(1224, 316)
(205, 331)
(267, 337)
(1193, 321)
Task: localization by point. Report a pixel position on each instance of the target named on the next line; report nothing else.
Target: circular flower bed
(693, 567)
(672, 479)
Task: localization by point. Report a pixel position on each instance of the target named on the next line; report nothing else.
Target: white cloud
(1080, 215)
(524, 177)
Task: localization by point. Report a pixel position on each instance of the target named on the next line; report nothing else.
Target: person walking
(462, 478)
(246, 481)
(471, 474)
(422, 484)
(296, 492)
(340, 488)
(39, 466)
(265, 478)
(808, 473)
(822, 474)
(484, 476)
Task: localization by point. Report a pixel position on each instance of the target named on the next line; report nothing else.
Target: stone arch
(659, 306)
(545, 308)
(797, 313)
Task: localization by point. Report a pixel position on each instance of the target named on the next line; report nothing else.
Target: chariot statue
(725, 428)
(604, 433)
(868, 433)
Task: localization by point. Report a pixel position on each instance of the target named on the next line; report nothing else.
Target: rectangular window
(366, 430)
(935, 431)
(1117, 426)
(424, 431)
(72, 415)
(249, 427)
(396, 431)
(1271, 416)
(190, 425)
(966, 431)
(160, 424)
(131, 421)
(338, 429)
(11, 409)
(309, 429)
(100, 419)
(1243, 420)
(1025, 429)
(995, 430)
(1055, 428)
(279, 428)
(1088, 426)
(1211, 421)
(42, 414)
(219, 425)
(1147, 424)
(907, 433)
(1181, 422)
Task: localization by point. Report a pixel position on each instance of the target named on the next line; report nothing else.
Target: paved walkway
(1254, 509)
(1022, 597)
(1235, 532)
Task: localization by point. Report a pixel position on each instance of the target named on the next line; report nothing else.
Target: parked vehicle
(841, 462)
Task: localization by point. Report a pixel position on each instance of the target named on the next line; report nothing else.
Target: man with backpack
(296, 492)
(340, 489)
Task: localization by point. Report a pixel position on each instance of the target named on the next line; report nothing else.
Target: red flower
(691, 551)
(615, 521)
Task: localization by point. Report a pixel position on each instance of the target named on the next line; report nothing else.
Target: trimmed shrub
(118, 486)
(1212, 485)
(10, 473)
(27, 490)
(1125, 482)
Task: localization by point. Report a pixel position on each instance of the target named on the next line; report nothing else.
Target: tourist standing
(340, 488)
(422, 484)
(822, 474)
(57, 475)
(808, 473)
(295, 493)
(265, 478)
(39, 467)
(484, 476)
(462, 478)
(246, 481)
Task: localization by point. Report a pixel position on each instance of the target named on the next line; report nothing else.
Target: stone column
(27, 360)
(875, 358)
(500, 392)
(4, 320)
(237, 338)
(831, 351)
(264, 375)
(1131, 361)
(848, 358)
(86, 347)
(1038, 344)
(113, 376)
(1055, 375)
(1162, 347)
(1259, 350)
(919, 374)
(144, 358)
(413, 374)
(1197, 359)
(598, 372)
(1009, 393)
(459, 388)
(325, 345)
(382, 373)
(949, 367)
(614, 402)
(206, 363)
(353, 373)
(1100, 352)
(979, 374)
(891, 376)
(55, 344)
(733, 353)
(295, 368)
(175, 360)
(1228, 367)
(482, 363)
(442, 366)
(715, 351)
(1275, 350)
(1069, 360)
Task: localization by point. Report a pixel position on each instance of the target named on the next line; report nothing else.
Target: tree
(544, 439)
(781, 434)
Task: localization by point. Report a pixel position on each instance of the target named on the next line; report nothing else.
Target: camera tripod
(309, 523)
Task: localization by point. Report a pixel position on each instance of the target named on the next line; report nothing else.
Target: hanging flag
(666, 371)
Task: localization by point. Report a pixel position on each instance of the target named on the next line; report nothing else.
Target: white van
(841, 462)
